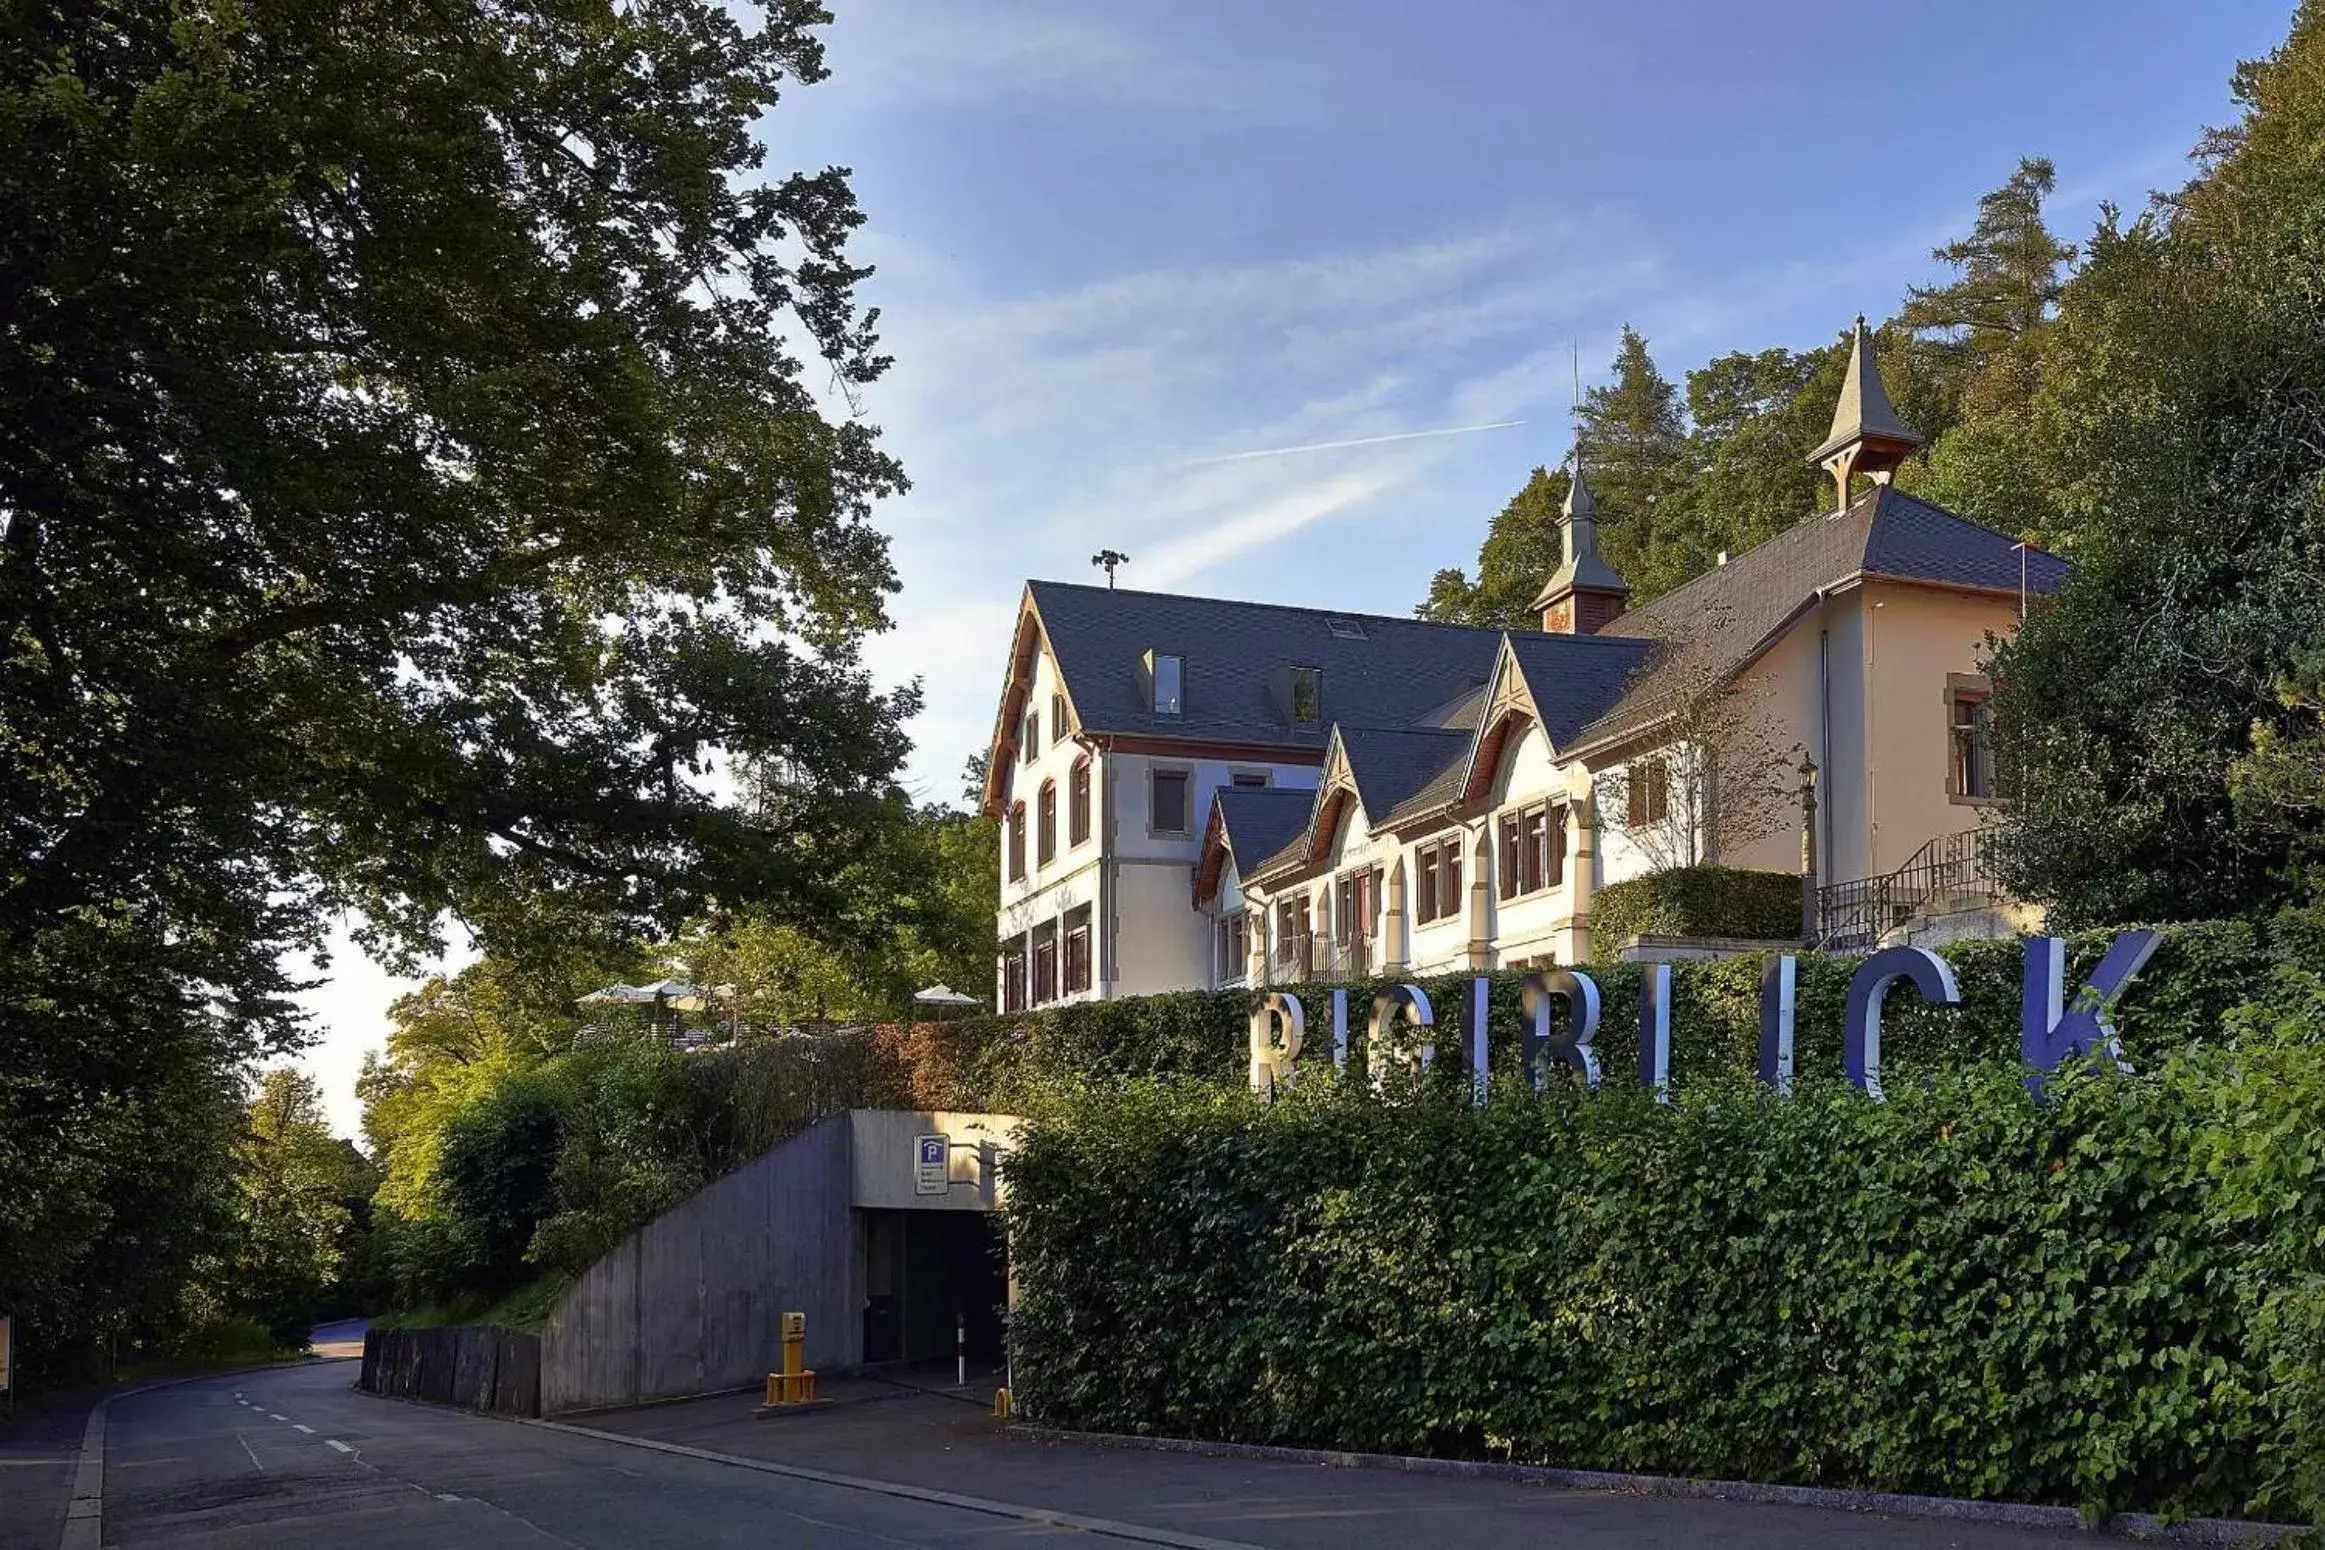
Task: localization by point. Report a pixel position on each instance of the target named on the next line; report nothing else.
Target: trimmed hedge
(2111, 1300)
(1696, 901)
(1010, 1062)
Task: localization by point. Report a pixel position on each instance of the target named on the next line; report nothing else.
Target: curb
(2122, 1525)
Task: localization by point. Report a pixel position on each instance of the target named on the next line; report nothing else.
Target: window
(1077, 952)
(1045, 964)
(1532, 850)
(1437, 881)
(1017, 842)
(1013, 980)
(1232, 948)
(1307, 696)
(1973, 744)
(1647, 789)
(1168, 814)
(1250, 780)
(1078, 803)
(1292, 935)
(1031, 742)
(1352, 913)
(1169, 683)
(1343, 628)
(1046, 836)
(1057, 717)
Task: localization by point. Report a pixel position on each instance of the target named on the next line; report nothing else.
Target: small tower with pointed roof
(1584, 595)
(1866, 438)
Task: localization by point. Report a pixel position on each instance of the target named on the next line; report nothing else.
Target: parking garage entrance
(931, 1277)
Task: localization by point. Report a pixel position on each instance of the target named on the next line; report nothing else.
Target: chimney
(1866, 438)
(1584, 595)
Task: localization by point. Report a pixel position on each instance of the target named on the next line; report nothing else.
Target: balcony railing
(1308, 957)
(1854, 917)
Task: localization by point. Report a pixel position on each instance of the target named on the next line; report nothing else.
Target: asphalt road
(293, 1458)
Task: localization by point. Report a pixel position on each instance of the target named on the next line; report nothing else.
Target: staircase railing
(1854, 916)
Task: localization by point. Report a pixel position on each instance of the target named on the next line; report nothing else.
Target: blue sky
(1119, 244)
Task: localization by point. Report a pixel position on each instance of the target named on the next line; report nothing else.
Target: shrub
(1696, 901)
(2106, 1300)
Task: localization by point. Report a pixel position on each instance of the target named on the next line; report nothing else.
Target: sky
(1129, 254)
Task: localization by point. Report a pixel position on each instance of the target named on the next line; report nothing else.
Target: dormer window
(1170, 673)
(1307, 696)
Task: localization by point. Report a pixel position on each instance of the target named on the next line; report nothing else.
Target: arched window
(1017, 842)
(1047, 836)
(1078, 803)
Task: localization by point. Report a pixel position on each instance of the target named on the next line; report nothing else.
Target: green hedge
(1696, 901)
(1010, 1062)
(2110, 1300)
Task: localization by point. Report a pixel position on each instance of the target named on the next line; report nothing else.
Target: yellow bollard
(794, 1385)
(1001, 1404)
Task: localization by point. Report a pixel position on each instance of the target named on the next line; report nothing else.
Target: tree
(2143, 725)
(1981, 339)
(1718, 778)
(292, 1180)
(1632, 439)
(1522, 548)
(411, 476)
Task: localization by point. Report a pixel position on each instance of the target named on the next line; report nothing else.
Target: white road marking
(333, 1442)
(254, 1463)
(296, 1427)
(446, 1496)
(270, 1415)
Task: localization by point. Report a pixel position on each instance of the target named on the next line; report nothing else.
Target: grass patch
(527, 1307)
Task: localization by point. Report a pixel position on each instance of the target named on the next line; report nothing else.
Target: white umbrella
(943, 995)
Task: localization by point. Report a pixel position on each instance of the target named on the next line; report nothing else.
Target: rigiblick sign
(1561, 1018)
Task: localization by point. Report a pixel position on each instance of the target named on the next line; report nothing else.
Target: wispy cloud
(1354, 441)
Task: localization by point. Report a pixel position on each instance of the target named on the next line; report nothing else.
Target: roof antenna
(1109, 558)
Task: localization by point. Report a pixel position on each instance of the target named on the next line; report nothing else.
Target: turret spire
(1584, 594)
(1866, 438)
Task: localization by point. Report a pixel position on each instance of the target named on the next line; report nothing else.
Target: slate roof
(1389, 765)
(1397, 674)
(1714, 624)
(1259, 821)
(1575, 679)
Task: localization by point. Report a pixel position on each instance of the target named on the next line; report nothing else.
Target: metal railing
(1298, 959)
(1855, 916)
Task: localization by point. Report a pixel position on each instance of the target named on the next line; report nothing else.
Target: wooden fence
(474, 1366)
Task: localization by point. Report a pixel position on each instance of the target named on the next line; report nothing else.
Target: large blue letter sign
(2048, 1030)
(1779, 1011)
(1477, 1006)
(1861, 1034)
(1655, 1030)
(1272, 1055)
(1541, 1046)
(1410, 1002)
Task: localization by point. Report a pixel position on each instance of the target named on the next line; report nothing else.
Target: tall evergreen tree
(1633, 440)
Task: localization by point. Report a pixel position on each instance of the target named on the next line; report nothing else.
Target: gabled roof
(1575, 679)
(1388, 765)
(1249, 824)
(1257, 821)
(1718, 623)
(1379, 669)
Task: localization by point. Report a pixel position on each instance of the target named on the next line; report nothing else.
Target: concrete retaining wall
(689, 1303)
(474, 1366)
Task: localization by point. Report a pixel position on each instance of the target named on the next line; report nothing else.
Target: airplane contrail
(1358, 441)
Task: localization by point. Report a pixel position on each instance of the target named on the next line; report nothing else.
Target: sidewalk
(39, 1450)
(947, 1441)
